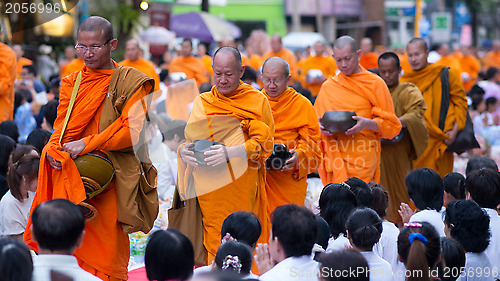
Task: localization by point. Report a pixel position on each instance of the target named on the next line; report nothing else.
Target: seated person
(234, 256)
(452, 260)
(346, 260)
(454, 187)
(15, 260)
(362, 191)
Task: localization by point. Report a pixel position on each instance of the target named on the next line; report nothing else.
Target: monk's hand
(290, 163)
(74, 148)
(217, 155)
(323, 130)
(405, 212)
(362, 123)
(452, 135)
(53, 162)
(187, 155)
(263, 258)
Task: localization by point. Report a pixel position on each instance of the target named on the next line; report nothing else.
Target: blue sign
(462, 14)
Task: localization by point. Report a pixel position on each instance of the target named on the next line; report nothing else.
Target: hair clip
(227, 238)
(412, 224)
(345, 185)
(232, 261)
(418, 236)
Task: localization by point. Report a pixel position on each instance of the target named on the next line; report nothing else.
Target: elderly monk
(368, 58)
(299, 132)
(21, 61)
(320, 61)
(427, 77)
(8, 68)
(189, 64)
(277, 50)
(398, 155)
(96, 124)
(492, 58)
(238, 117)
(133, 58)
(355, 153)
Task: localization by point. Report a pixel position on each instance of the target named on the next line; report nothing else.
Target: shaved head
(274, 62)
(345, 41)
(275, 76)
(96, 23)
(228, 70)
(276, 43)
(366, 45)
(229, 50)
(421, 42)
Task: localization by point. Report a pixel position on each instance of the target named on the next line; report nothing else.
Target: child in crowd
(235, 256)
(22, 179)
(452, 260)
(467, 223)
(425, 188)
(346, 260)
(454, 187)
(336, 202)
(419, 250)
(364, 227)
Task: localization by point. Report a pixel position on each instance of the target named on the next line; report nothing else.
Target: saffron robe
(287, 55)
(193, 67)
(471, 66)
(492, 59)
(369, 61)
(75, 65)
(145, 67)
(428, 81)
(324, 63)
(397, 158)
(20, 63)
(356, 155)
(8, 68)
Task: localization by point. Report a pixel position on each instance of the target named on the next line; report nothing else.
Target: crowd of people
(233, 140)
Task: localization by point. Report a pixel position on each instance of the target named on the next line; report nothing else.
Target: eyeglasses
(93, 49)
(274, 81)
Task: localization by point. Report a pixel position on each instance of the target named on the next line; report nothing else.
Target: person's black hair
(243, 226)
(476, 101)
(477, 163)
(380, 201)
(188, 40)
(57, 224)
(50, 111)
(217, 275)
(234, 249)
(490, 101)
(454, 184)
(31, 69)
(16, 263)
(23, 167)
(362, 191)
(323, 232)
(296, 229)
(425, 188)
(55, 83)
(390, 55)
(491, 72)
(452, 259)
(365, 228)
(484, 187)
(172, 128)
(9, 128)
(169, 255)
(7, 145)
(205, 87)
(336, 202)
(476, 91)
(163, 74)
(346, 260)
(38, 138)
(468, 224)
(19, 98)
(249, 74)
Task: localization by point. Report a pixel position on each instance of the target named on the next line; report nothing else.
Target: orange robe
(245, 118)
(8, 68)
(105, 248)
(472, 66)
(207, 61)
(324, 63)
(428, 81)
(296, 126)
(145, 67)
(369, 60)
(180, 97)
(405, 65)
(492, 59)
(357, 155)
(287, 55)
(452, 62)
(75, 65)
(255, 61)
(192, 66)
(20, 63)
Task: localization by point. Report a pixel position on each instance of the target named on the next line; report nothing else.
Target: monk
(8, 68)
(368, 58)
(298, 131)
(398, 156)
(355, 153)
(95, 124)
(21, 61)
(206, 59)
(277, 50)
(133, 58)
(470, 65)
(233, 179)
(427, 77)
(448, 59)
(492, 58)
(320, 61)
(189, 64)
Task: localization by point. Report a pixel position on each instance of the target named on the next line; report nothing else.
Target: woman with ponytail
(364, 228)
(419, 250)
(22, 179)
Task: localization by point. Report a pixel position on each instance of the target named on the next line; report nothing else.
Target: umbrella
(157, 35)
(203, 26)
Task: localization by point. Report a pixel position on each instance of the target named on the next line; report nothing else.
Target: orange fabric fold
(369, 60)
(8, 68)
(145, 67)
(20, 63)
(324, 63)
(357, 155)
(296, 126)
(244, 118)
(75, 65)
(471, 66)
(192, 66)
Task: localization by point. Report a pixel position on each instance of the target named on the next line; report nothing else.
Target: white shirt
(476, 266)
(338, 244)
(293, 269)
(431, 216)
(380, 269)
(65, 264)
(167, 173)
(493, 250)
(387, 246)
(14, 214)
